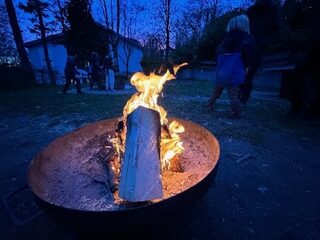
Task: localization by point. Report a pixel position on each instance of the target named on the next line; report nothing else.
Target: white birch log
(140, 171)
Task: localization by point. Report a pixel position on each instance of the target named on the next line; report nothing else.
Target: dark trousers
(68, 82)
(233, 92)
(246, 87)
(303, 91)
(94, 79)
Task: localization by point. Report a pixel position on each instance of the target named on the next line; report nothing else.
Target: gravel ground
(267, 185)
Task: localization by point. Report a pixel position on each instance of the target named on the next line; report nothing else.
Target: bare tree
(215, 8)
(164, 17)
(107, 8)
(17, 34)
(105, 11)
(118, 16)
(37, 8)
(152, 57)
(116, 40)
(209, 9)
(194, 20)
(112, 14)
(191, 25)
(167, 7)
(129, 24)
(127, 47)
(59, 11)
(8, 52)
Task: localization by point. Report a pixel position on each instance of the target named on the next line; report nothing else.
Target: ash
(75, 171)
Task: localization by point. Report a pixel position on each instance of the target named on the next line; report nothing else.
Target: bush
(214, 35)
(15, 77)
(205, 49)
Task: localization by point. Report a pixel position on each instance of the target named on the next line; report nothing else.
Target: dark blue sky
(145, 21)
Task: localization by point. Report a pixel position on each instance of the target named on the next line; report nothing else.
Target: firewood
(140, 171)
(175, 165)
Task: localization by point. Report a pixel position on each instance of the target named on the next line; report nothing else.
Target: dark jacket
(107, 64)
(70, 68)
(239, 41)
(264, 22)
(94, 62)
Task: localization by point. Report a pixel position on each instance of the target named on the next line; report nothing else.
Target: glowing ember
(171, 144)
(149, 87)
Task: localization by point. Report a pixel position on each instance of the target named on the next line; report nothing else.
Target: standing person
(264, 16)
(94, 67)
(235, 55)
(109, 72)
(303, 85)
(70, 72)
(264, 23)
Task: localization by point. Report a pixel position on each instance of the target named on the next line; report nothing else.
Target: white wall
(135, 58)
(36, 56)
(58, 56)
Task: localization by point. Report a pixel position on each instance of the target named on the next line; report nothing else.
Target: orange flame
(171, 144)
(149, 87)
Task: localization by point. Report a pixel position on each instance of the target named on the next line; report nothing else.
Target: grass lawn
(272, 194)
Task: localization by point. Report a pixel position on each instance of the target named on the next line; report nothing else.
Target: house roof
(133, 41)
(58, 39)
(55, 38)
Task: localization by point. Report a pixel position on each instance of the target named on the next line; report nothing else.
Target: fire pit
(68, 177)
(136, 169)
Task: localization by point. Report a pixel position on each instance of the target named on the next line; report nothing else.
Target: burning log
(142, 139)
(175, 164)
(140, 172)
(166, 138)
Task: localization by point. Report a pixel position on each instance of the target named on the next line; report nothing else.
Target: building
(58, 57)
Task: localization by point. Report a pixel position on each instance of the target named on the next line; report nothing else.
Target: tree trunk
(111, 15)
(45, 49)
(116, 41)
(127, 68)
(17, 36)
(140, 171)
(118, 17)
(63, 25)
(168, 3)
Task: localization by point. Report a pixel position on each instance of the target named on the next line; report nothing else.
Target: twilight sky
(144, 20)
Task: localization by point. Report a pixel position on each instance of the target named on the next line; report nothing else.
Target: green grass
(184, 99)
(189, 88)
(47, 100)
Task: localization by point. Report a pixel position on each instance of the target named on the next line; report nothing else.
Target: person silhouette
(70, 72)
(235, 55)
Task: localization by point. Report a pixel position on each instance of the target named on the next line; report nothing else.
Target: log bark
(140, 172)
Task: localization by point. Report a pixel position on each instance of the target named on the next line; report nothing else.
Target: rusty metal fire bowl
(68, 177)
